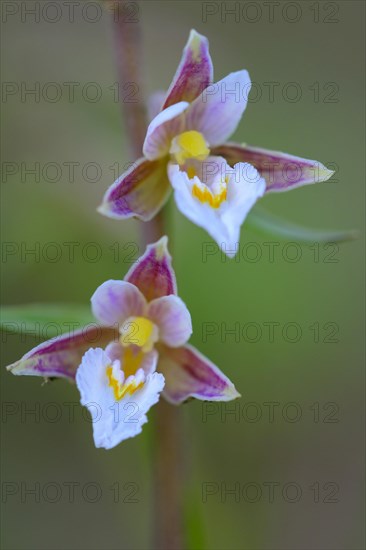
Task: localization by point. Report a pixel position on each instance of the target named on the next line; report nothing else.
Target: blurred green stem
(168, 455)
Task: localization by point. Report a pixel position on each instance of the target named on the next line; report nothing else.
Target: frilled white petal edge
(244, 187)
(173, 319)
(115, 420)
(115, 301)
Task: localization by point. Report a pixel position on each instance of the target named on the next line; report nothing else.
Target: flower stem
(168, 455)
(168, 478)
(128, 54)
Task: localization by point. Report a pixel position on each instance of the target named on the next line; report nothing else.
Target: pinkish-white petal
(218, 110)
(188, 373)
(153, 273)
(173, 319)
(162, 129)
(115, 301)
(195, 71)
(281, 171)
(61, 356)
(140, 192)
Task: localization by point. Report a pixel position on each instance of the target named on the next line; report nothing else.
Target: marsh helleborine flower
(215, 183)
(142, 351)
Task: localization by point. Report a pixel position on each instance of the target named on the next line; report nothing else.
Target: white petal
(114, 421)
(244, 187)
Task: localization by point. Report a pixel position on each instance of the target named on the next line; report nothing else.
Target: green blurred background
(322, 380)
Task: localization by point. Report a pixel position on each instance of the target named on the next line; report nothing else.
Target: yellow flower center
(131, 361)
(189, 145)
(139, 331)
(119, 389)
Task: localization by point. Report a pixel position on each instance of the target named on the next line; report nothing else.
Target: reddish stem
(168, 458)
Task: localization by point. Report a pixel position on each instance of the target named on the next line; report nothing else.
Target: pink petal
(281, 171)
(195, 71)
(172, 317)
(61, 356)
(217, 111)
(153, 273)
(162, 129)
(140, 192)
(188, 373)
(114, 301)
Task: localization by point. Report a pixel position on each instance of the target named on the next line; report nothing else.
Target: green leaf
(266, 223)
(44, 319)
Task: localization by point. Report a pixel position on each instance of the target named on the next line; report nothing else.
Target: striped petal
(153, 273)
(61, 356)
(218, 110)
(188, 373)
(195, 71)
(162, 129)
(281, 171)
(173, 319)
(140, 192)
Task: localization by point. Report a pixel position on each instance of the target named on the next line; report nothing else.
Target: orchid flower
(142, 351)
(215, 183)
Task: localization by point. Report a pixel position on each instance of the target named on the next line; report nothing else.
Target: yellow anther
(189, 145)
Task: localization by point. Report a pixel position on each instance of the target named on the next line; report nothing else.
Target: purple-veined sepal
(281, 171)
(61, 356)
(188, 373)
(194, 73)
(153, 273)
(140, 192)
